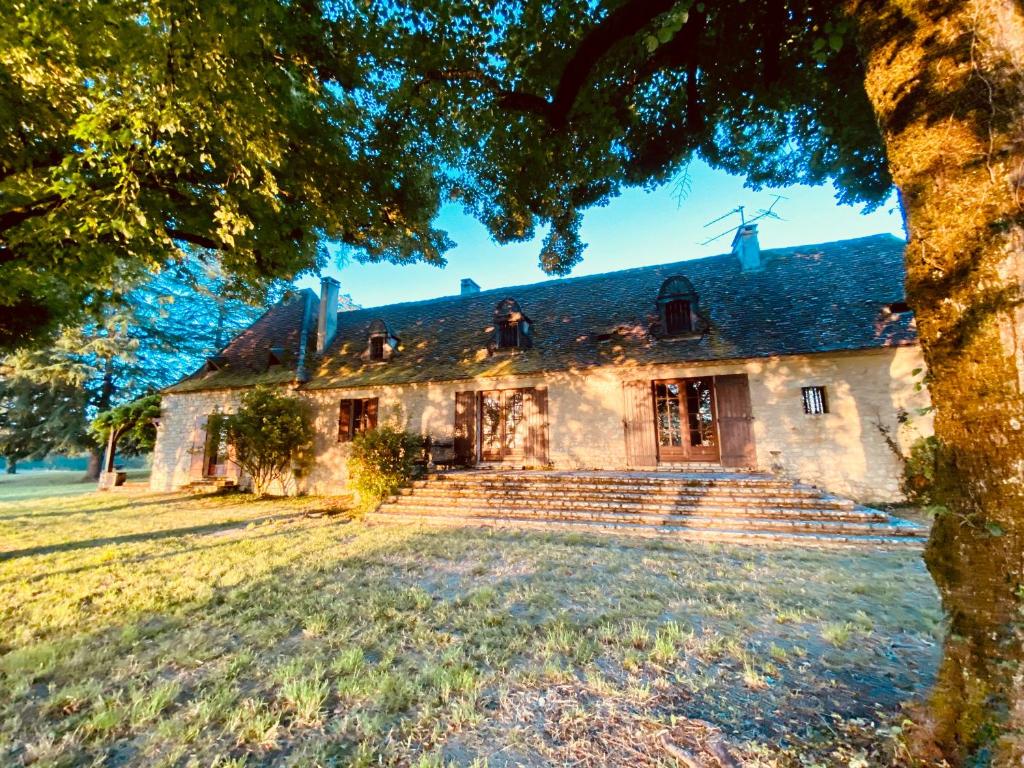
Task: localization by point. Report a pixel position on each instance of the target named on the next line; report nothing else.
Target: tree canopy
(132, 129)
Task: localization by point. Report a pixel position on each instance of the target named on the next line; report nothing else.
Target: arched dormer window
(677, 309)
(512, 328)
(381, 344)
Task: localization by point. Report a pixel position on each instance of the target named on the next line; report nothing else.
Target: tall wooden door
(638, 424)
(197, 454)
(465, 428)
(735, 418)
(536, 407)
(685, 418)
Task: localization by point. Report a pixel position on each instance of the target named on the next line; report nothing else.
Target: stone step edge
(702, 521)
(809, 500)
(654, 487)
(738, 509)
(647, 531)
(674, 482)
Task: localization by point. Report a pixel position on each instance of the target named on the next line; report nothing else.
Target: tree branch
(15, 216)
(189, 237)
(625, 21)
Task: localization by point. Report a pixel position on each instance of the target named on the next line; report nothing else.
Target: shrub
(920, 471)
(272, 436)
(382, 460)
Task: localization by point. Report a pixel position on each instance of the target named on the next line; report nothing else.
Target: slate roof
(808, 299)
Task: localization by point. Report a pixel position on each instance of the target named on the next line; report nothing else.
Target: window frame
(815, 400)
(356, 416)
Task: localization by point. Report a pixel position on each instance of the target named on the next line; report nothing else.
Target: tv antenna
(762, 213)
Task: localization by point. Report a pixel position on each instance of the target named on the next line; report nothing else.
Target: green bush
(382, 460)
(920, 471)
(272, 437)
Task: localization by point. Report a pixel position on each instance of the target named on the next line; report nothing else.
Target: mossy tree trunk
(946, 80)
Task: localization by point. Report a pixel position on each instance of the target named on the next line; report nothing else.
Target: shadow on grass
(167, 533)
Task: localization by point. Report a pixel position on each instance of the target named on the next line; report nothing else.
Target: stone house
(799, 361)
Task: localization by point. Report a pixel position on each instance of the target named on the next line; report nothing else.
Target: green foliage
(132, 424)
(131, 131)
(272, 437)
(920, 471)
(382, 460)
(40, 414)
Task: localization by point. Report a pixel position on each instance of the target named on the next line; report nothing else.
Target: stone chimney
(469, 286)
(327, 324)
(747, 249)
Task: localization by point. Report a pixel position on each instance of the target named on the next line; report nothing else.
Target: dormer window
(508, 334)
(377, 348)
(381, 344)
(677, 310)
(677, 317)
(512, 329)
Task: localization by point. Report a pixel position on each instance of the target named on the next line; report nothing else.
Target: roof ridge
(780, 251)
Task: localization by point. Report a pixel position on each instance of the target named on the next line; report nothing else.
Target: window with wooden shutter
(677, 317)
(355, 417)
(377, 348)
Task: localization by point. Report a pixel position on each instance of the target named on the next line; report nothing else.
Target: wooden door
(536, 407)
(465, 428)
(638, 424)
(197, 463)
(216, 447)
(503, 425)
(687, 429)
(735, 418)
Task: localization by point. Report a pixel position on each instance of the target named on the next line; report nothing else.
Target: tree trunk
(12, 466)
(946, 80)
(92, 469)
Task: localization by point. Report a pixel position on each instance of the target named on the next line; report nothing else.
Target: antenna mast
(762, 213)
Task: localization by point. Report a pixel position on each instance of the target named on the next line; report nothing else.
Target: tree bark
(946, 80)
(12, 466)
(92, 469)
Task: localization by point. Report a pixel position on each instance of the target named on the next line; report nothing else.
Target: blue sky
(636, 229)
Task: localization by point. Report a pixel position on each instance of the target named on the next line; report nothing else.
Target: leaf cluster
(271, 436)
(133, 425)
(382, 461)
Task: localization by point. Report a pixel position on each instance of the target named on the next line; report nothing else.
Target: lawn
(161, 629)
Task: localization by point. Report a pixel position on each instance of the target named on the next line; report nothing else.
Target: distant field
(147, 629)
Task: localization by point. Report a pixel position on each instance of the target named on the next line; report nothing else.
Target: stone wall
(848, 450)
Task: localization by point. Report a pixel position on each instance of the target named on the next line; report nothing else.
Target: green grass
(159, 629)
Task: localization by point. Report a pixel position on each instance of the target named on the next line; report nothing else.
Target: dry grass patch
(158, 629)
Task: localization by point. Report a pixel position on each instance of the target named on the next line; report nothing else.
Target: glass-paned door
(502, 425)
(684, 412)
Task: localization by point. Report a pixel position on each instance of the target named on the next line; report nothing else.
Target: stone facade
(875, 409)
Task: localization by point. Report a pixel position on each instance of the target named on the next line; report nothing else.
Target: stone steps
(632, 500)
(724, 520)
(690, 505)
(501, 504)
(724, 535)
(211, 485)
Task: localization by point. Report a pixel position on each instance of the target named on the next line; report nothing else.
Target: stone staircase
(705, 505)
(211, 485)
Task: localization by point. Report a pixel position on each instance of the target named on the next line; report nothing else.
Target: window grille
(815, 401)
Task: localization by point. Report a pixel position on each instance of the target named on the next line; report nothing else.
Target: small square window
(815, 400)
